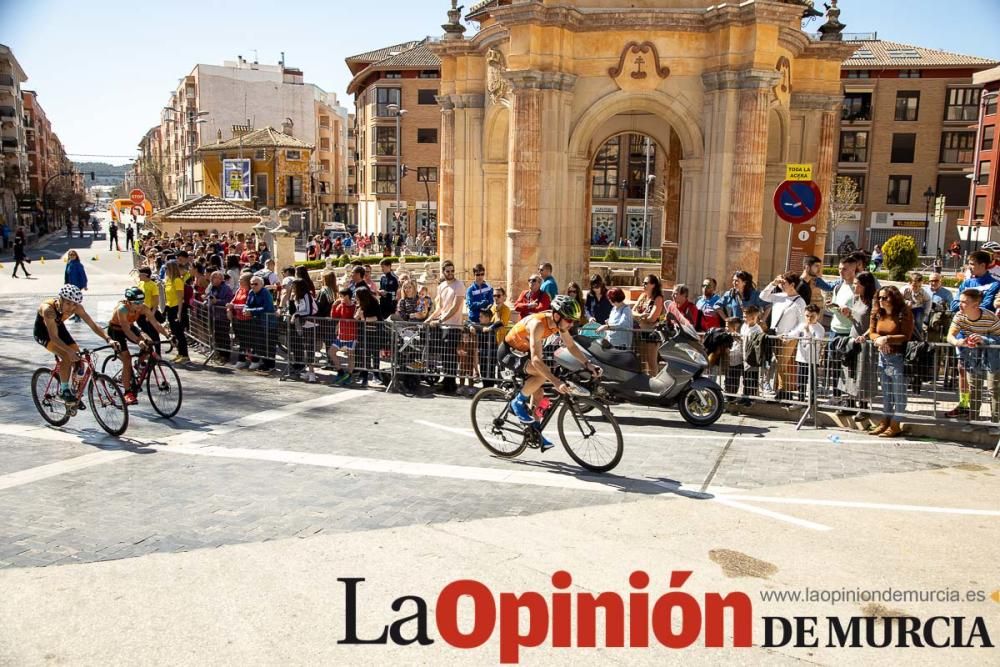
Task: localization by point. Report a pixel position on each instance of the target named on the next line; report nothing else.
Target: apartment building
(397, 87)
(984, 207)
(215, 102)
(907, 136)
(13, 140)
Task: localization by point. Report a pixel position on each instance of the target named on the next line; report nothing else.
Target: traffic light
(403, 171)
(92, 176)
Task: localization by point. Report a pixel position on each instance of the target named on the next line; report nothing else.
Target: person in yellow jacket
(173, 288)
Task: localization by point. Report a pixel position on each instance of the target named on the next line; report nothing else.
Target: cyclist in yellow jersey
(528, 336)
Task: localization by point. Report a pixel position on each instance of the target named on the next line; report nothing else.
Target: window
(293, 155)
(429, 74)
(605, 173)
(260, 154)
(903, 147)
(909, 74)
(324, 187)
(957, 147)
(954, 188)
(859, 183)
(260, 188)
(385, 180)
(980, 210)
(393, 75)
(293, 193)
(427, 96)
(853, 146)
(962, 104)
(857, 74)
(324, 144)
(324, 165)
(383, 98)
(899, 190)
(907, 103)
(427, 135)
(384, 142)
(637, 165)
(984, 173)
(988, 132)
(324, 121)
(427, 174)
(857, 106)
(991, 105)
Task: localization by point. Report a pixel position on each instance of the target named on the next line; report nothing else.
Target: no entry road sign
(797, 201)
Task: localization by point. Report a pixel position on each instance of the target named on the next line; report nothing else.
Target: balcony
(7, 81)
(8, 112)
(863, 115)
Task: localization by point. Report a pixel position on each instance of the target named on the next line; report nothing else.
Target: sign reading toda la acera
(797, 201)
(137, 196)
(798, 172)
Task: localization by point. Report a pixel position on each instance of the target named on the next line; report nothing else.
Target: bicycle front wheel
(590, 434)
(45, 394)
(108, 404)
(496, 427)
(112, 367)
(163, 386)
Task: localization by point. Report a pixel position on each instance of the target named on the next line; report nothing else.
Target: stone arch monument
(728, 92)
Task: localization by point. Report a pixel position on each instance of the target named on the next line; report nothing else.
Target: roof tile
(882, 53)
(206, 208)
(266, 137)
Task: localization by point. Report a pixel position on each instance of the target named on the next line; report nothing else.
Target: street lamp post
(929, 196)
(194, 118)
(397, 112)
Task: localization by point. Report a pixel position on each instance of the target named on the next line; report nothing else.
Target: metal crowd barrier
(840, 374)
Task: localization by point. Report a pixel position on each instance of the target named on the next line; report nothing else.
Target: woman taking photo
(598, 306)
(646, 313)
(891, 329)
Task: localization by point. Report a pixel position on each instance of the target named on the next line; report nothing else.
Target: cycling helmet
(566, 306)
(71, 293)
(134, 295)
(991, 246)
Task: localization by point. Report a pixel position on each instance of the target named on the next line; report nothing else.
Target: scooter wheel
(701, 406)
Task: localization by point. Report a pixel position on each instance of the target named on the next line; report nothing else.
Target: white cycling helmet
(71, 293)
(991, 246)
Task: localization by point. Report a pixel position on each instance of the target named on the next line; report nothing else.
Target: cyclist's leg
(119, 336)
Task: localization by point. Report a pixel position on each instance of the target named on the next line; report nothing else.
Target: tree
(900, 255)
(152, 176)
(843, 202)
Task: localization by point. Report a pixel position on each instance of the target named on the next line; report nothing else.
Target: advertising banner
(236, 180)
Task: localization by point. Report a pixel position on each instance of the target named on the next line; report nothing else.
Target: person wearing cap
(993, 248)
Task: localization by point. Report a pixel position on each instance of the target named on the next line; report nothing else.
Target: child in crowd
(810, 334)
(341, 349)
(918, 298)
(748, 330)
(734, 365)
(468, 355)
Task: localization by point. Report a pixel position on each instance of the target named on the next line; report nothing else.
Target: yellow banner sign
(798, 172)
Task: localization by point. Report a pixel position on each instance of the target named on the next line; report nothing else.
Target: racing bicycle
(588, 431)
(106, 400)
(162, 383)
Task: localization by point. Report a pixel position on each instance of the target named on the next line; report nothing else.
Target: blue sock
(64, 386)
(521, 397)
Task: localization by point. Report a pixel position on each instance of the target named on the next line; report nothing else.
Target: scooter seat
(615, 358)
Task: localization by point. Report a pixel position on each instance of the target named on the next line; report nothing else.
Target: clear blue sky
(104, 69)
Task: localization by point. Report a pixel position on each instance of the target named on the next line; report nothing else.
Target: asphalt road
(202, 539)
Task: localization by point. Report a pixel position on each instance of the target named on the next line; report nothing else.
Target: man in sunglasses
(532, 300)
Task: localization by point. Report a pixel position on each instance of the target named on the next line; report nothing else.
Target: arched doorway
(626, 196)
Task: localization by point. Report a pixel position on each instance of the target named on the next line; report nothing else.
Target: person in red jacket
(532, 300)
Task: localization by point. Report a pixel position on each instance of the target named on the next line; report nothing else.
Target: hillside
(106, 174)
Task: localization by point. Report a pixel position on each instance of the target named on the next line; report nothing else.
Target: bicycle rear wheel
(163, 386)
(108, 404)
(45, 394)
(590, 433)
(495, 426)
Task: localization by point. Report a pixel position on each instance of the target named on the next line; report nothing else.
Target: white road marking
(725, 500)
(59, 468)
(863, 505)
(186, 439)
(467, 432)
(410, 468)
(767, 436)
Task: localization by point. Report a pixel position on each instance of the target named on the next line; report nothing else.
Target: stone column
(525, 170)
(746, 199)
(822, 113)
(446, 188)
(669, 244)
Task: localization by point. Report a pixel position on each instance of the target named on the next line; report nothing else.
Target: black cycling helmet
(135, 295)
(566, 306)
